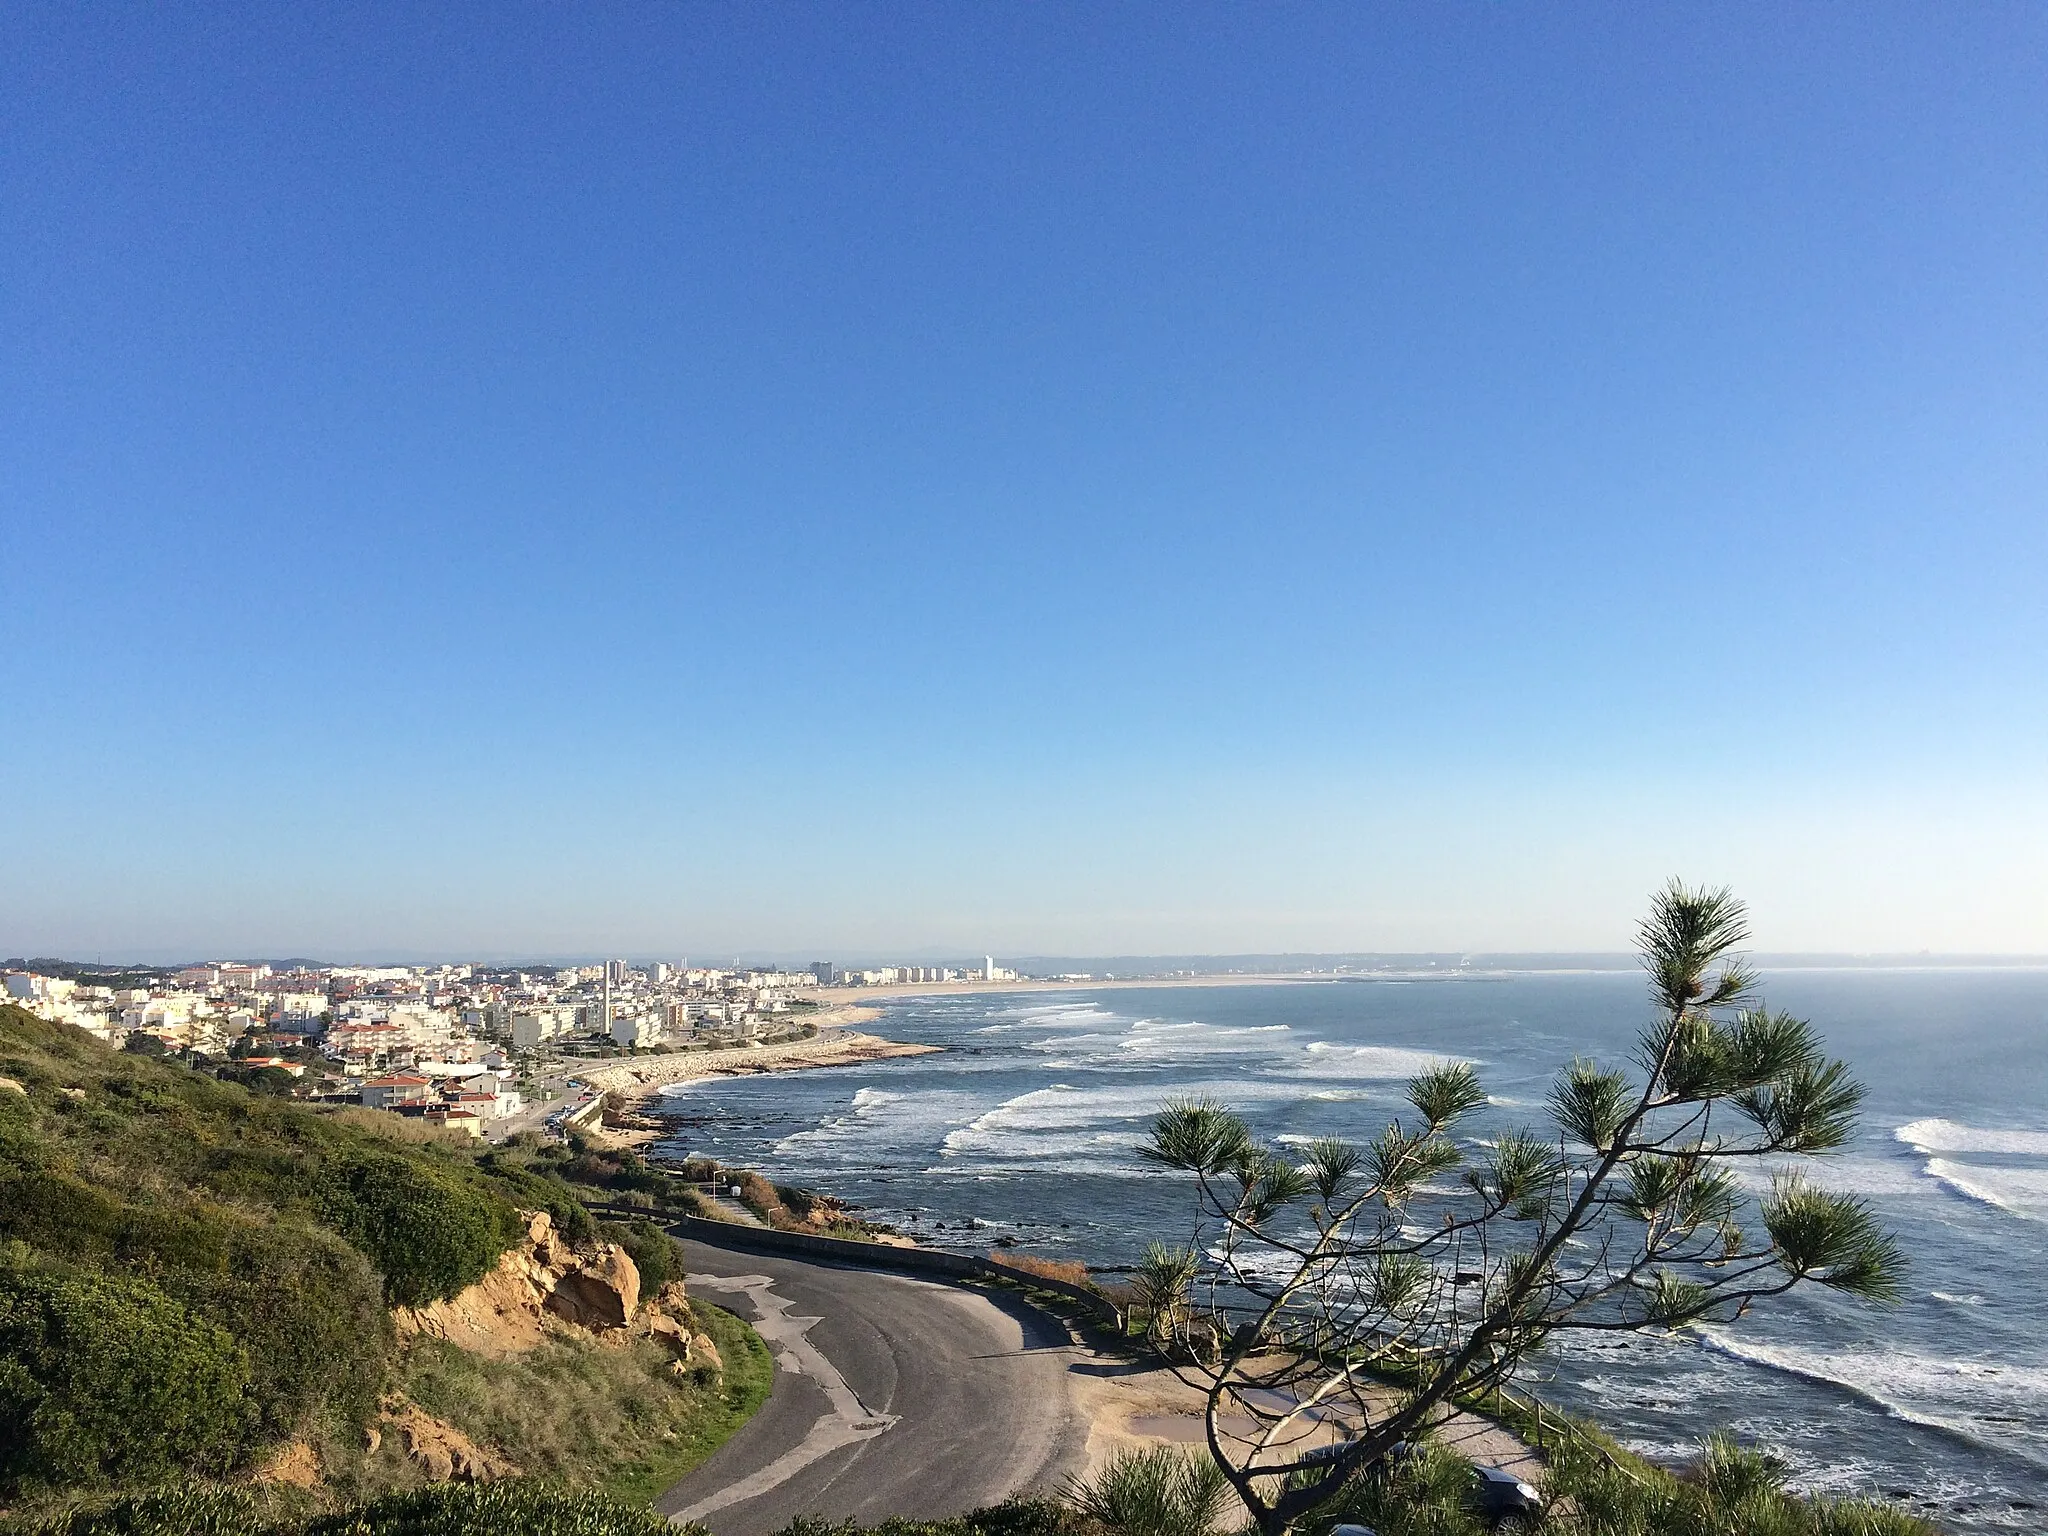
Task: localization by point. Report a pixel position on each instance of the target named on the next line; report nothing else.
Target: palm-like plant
(1158, 1492)
(1308, 1284)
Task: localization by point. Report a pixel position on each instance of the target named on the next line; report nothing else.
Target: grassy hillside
(192, 1275)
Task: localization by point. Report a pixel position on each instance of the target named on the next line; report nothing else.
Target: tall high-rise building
(657, 971)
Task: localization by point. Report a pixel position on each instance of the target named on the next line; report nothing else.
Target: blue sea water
(1026, 1125)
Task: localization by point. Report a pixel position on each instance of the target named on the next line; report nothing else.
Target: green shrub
(309, 1313)
(184, 1509)
(515, 1508)
(429, 1233)
(305, 1306)
(60, 1214)
(538, 1187)
(1162, 1492)
(1017, 1517)
(107, 1378)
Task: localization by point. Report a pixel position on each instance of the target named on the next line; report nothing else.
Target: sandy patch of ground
(296, 1465)
(639, 1079)
(1134, 1406)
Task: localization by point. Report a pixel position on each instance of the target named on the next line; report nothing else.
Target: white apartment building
(637, 1031)
(531, 1026)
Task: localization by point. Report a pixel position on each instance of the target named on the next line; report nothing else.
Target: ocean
(1026, 1127)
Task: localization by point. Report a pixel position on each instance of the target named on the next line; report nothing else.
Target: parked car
(1504, 1501)
(1499, 1497)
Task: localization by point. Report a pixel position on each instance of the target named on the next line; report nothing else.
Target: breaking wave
(1929, 1136)
(1914, 1388)
(2019, 1192)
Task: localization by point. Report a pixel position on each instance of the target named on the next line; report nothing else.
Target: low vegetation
(1065, 1271)
(1161, 1492)
(515, 1508)
(194, 1276)
(576, 1413)
(1590, 1491)
(488, 1509)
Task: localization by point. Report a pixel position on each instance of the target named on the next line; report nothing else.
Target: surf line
(1767, 1359)
(846, 1422)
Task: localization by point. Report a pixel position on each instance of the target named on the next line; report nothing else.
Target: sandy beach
(835, 1045)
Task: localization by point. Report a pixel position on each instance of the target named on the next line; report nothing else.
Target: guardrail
(940, 1262)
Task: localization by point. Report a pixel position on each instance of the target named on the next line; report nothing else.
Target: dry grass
(573, 1411)
(1067, 1271)
(401, 1128)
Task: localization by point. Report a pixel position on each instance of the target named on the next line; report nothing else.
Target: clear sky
(671, 478)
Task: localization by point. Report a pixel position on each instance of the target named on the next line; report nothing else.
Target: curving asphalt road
(893, 1396)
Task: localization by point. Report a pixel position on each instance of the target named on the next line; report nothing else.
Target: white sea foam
(877, 1122)
(1166, 1038)
(1930, 1136)
(1328, 1059)
(1979, 1400)
(1972, 1300)
(2017, 1191)
(1058, 1016)
(1086, 1127)
(1161, 1042)
(1054, 1125)
(1844, 1175)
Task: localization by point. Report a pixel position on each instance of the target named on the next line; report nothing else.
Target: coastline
(835, 1045)
(840, 997)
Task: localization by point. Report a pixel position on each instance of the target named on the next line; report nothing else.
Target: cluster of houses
(440, 1041)
(454, 1096)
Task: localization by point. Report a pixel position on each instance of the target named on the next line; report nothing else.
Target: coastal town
(472, 1048)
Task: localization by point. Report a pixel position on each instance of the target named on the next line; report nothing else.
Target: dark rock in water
(1006, 1241)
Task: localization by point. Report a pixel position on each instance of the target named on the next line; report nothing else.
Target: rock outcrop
(603, 1293)
(443, 1452)
(542, 1278)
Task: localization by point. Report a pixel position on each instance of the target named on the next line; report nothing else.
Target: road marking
(847, 1422)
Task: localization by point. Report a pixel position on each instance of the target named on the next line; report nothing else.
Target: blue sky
(678, 479)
